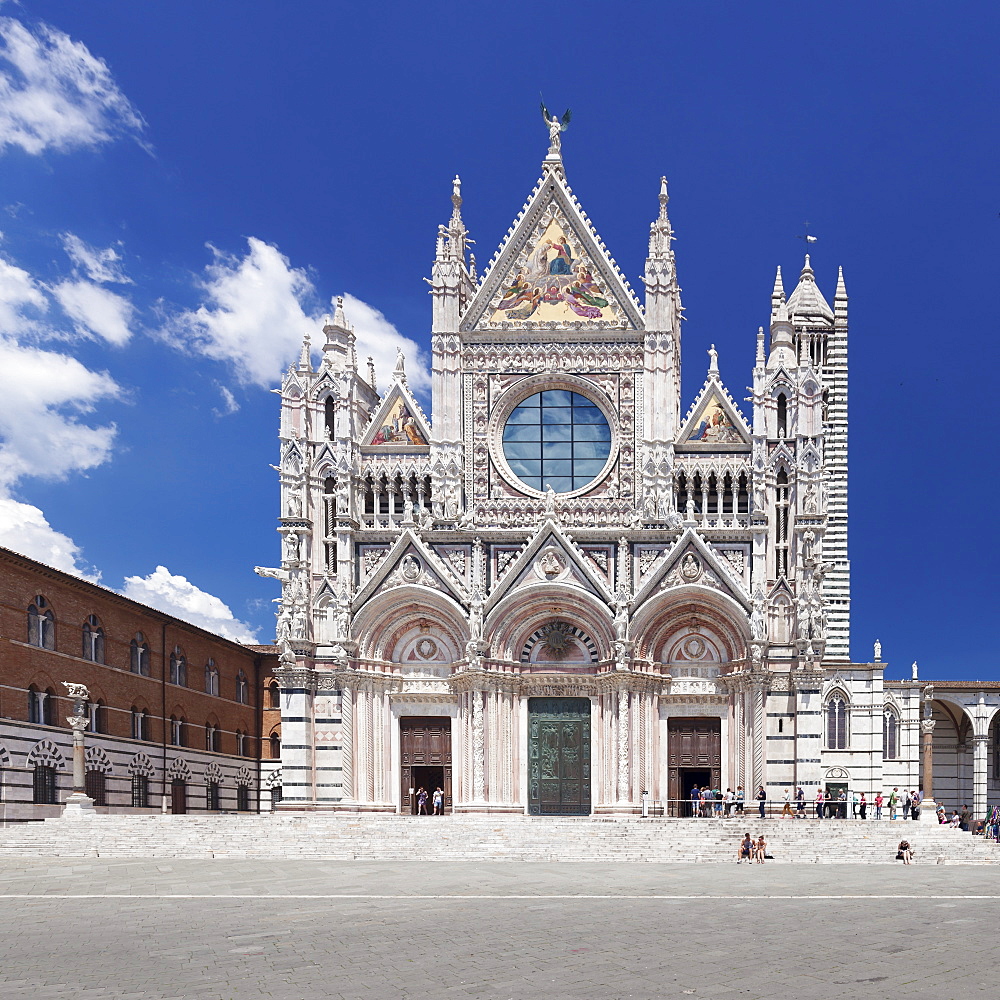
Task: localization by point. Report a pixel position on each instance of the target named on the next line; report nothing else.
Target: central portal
(559, 756)
(425, 760)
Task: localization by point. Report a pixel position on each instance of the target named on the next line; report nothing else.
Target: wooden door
(178, 796)
(425, 756)
(692, 744)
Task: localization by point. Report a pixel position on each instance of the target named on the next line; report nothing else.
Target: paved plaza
(221, 930)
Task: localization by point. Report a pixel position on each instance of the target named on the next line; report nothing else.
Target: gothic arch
(213, 772)
(523, 612)
(141, 764)
(661, 622)
(98, 760)
(179, 770)
(46, 754)
(385, 619)
(243, 776)
(273, 779)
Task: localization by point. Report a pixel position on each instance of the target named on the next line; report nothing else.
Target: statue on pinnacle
(556, 126)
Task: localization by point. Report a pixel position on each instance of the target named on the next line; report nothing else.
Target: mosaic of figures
(555, 283)
(715, 426)
(399, 427)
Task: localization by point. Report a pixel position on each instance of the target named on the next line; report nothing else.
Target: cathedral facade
(564, 592)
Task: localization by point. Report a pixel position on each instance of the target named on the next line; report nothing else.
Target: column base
(928, 811)
(79, 806)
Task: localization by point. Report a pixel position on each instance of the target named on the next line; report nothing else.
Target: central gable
(553, 272)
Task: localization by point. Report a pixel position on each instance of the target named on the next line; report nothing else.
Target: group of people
(709, 801)
(751, 850)
(963, 819)
(437, 801)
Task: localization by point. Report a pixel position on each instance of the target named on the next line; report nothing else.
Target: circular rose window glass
(557, 438)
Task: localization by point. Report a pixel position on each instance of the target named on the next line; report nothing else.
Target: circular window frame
(517, 394)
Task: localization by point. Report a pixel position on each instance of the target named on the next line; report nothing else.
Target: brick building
(175, 711)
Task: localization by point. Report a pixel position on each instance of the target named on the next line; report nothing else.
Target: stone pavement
(298, 930)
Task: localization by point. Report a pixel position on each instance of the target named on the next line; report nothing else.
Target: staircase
(384, 837)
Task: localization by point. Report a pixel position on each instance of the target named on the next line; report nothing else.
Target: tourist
(438, 800)
(745, 850)
(819, 803)
(904, 852)
(421, 801)
(740, 796)
(878, 805)
(893, 803)
(695, 801)
(942, 816)
(717, 793)
(907, 805)
(964, 819)
(786, 809)
(761, 800)
(800, 803)
(842, 804)
(729, 800)
(955, 820)
(915, 799)
(863, 806)
(855, 802)
(828, 806)
(760, 849)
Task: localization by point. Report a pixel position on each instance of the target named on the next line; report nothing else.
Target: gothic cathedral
(563, 592)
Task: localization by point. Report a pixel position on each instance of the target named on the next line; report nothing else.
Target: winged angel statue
(556, 126)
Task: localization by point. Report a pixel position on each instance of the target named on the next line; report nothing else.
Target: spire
(841, 293)
(807, 300)
(338, 350)
(760, 359)
(661, 233)
(305, 355)
(371, 373)
(713, 362)
(457, 233)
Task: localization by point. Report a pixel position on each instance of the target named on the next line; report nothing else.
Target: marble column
(980, 761)
(927, 803)
(347, 743)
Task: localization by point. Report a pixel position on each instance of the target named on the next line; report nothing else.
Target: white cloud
(258, 309)
(229, 404)
(103, 266)
(55, 94)
(96, 310)
(177, 596)
(378, 338)
(24, 529)
(21, 300)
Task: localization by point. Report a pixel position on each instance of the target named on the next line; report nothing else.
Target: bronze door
(559, 756)
(425, 759)
(694, 756)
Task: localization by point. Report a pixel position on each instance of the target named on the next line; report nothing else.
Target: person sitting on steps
(745, 851)
(904, 852)
(760, 852)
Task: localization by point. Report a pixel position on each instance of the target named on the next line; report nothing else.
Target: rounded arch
(838, 774)
(273, 779)
(522, 613)
(213, 772)
(46, 754)
(179, 770)
(141, 764)
(98, 760)
(243, 776)
(384, 620)
(664, 621)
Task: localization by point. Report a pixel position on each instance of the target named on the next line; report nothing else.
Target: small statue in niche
(690, 568)
(291, 547)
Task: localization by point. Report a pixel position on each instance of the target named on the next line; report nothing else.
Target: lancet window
(41, 624)
(781, 525)
(93, 640)
(836, 722)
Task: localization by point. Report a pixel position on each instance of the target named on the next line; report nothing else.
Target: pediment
(550, 557)
(693, 562)
(398, 424)
(714, 422)
(410, 562)
(553, 272)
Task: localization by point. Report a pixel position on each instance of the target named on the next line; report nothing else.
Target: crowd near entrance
(694, 757)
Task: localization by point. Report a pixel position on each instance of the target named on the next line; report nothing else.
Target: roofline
(107, 592)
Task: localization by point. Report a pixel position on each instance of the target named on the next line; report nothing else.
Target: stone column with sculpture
(928, 807)
(79, 805)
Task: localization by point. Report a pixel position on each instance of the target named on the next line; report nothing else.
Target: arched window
(242, 689)
(176, 731)
(43, 785)
(241, 743)
(212, 737)
(39, 709)
(890, 735)
(140, 723)
(212, 795)
(41, 624)
(274, 744)
(781, 525)
(178, 667)
(139, 655)
(97, 712)
(836, 723)
(782, 415)
(330, 412)
(94, 785)
(93, 640)
(273, 695)
(211, 678)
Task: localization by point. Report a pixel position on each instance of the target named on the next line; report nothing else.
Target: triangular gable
(704, 568)
(398, 424)
(550, 556)
(410, 562)
(553, 271)
(714, 422)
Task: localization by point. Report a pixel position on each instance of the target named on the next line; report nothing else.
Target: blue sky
(183, 187)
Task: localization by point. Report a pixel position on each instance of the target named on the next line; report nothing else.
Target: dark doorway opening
(689, 777)
(428, 778)
(178, 796)
(835, 808)
(425, 759)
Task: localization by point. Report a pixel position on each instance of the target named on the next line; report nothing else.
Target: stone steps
(474, 837)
